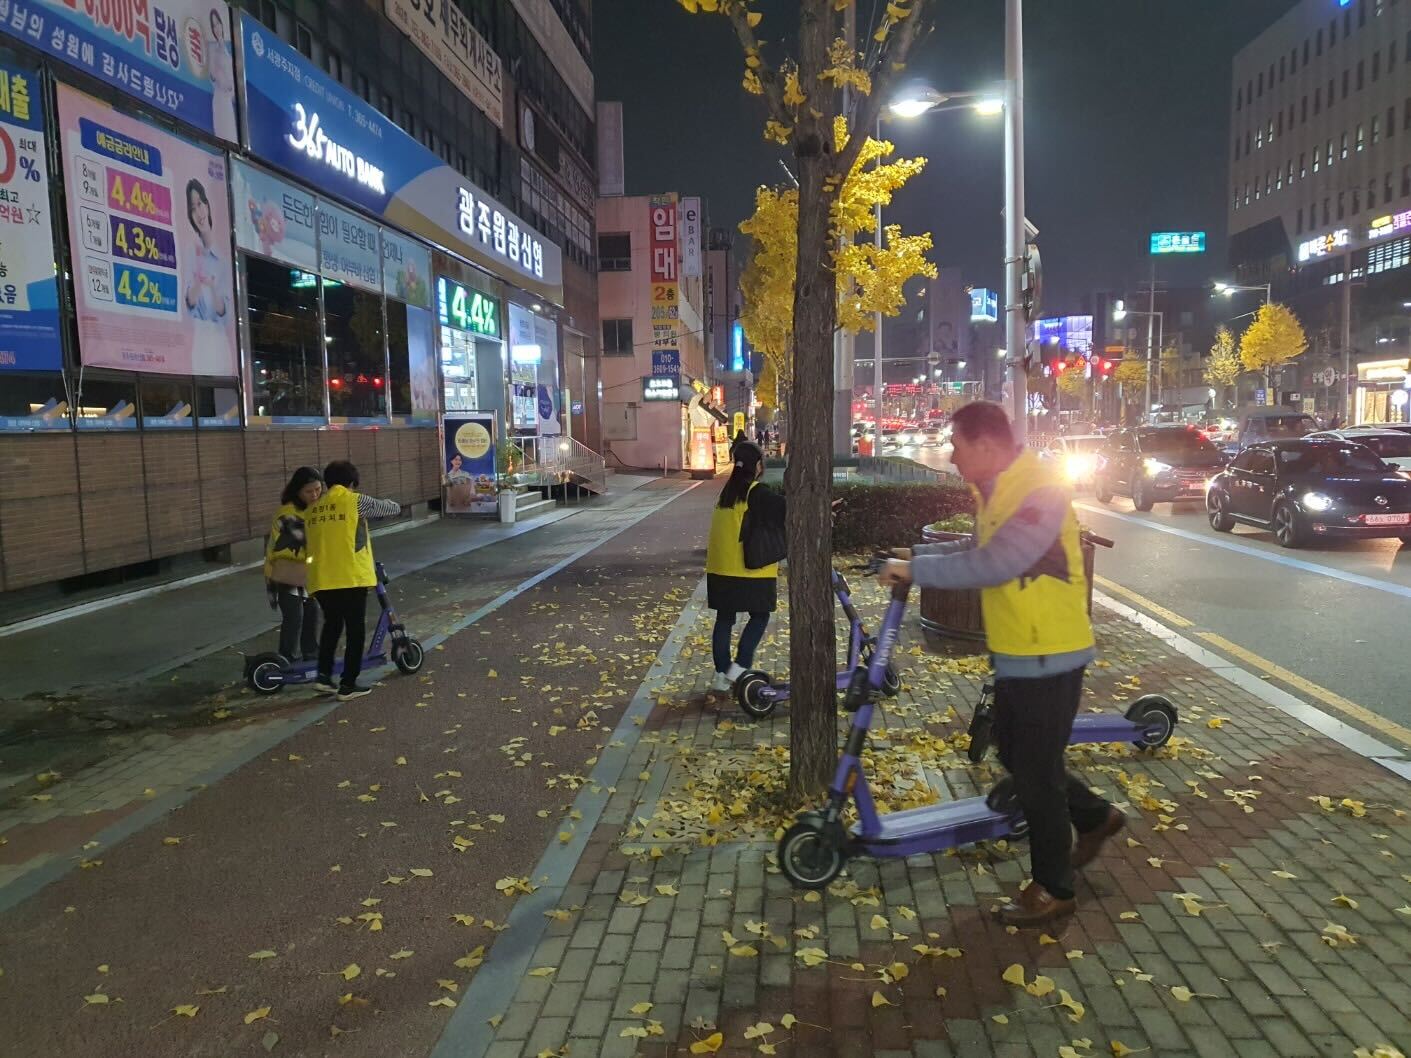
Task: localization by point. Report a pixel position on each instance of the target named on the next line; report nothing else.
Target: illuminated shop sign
(661, 387)
(309, 138)
(984, 305)
(1389, 225)
(1324, 244)
(466, 309)
(1177, 242)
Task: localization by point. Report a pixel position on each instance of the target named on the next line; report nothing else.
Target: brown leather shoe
(1034, 906)
(1089, 844)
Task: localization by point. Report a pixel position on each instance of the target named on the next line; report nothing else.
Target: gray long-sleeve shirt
(1015, 547)
(371, 507)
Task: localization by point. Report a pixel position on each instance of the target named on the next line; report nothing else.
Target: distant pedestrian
(342, 571)
(1335, 423)
(731, 586)
(287, 567)
(740, 439)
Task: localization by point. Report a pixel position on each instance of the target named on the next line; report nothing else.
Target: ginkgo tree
(826, 78)
(1274, 339)
(869, 279)
(1223, 366)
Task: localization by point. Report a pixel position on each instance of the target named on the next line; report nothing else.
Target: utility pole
(1150, 335)
(1015, 251)
(843, 341)
(1347, 339)
(877, 382)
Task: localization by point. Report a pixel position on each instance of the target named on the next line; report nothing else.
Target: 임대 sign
(1164, 242)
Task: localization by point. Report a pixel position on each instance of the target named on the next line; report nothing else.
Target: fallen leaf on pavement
(350, 971)
(186, 1010)
(1345, 901)
(710, 1044)
(405, 953)
(258, 1014)
(266, 954)
(1014, 975)
(1181, 993)
(442, 1001)
(542, 971)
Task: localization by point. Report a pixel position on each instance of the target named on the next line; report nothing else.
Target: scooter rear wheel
(891, 683)
(808, 858)
(747, 694)
(1156, 716)
(982, 726)
(265, 673)
(408, 655)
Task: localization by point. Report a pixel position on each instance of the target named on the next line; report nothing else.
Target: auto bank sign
(303, 121)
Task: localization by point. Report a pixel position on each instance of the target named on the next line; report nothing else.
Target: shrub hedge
(893, 515)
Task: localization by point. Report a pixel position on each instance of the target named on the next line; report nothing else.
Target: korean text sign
(29, 297)
(149, 227)
(661, 239)
(174, 55)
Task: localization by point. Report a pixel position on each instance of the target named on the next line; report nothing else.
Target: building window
(1303, 115)
(1318, 100)
(1361, 74)
(1327, 213)
(1332, 32)
(1391, 56)
(1302, 165)
(1237, 148)
(1361, 139)
(1239, 99)
(1376, 65)
(617, 337)
(1259, 139)
(1305, 52)
(1405, 180)
(286, 349)
(1356, 201)
(1372, 193)
(1330, 153)
(1316, 159)
(1237, 198)
(1346, 82)
(268, 14)
(1343, 147)
(1269, 132)
(615, 252)
(1342, 204)
(1391, 122)
(1376, 130)
(304, 40)
(1290, 172)
(1281, 69)
(1406, 115)
(357, 352)
(1299, 230)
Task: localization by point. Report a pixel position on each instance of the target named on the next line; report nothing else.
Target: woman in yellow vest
(287, 567)
(731, 586)
(1027, 561)
(342, 570)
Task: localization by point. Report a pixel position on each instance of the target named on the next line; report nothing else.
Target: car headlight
(1155, 467)
(1316, 501)
(1078, 466)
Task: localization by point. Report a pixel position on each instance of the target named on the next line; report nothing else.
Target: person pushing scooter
(1027, 560)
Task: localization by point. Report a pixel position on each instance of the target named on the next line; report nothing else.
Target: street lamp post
(1015, 257)
(1120, 313)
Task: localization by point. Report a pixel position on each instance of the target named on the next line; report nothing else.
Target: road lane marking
(1330, 698)
(1281, 560)
(1166, 615)
(1360, 713)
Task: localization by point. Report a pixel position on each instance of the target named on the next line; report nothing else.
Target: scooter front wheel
(891, 682)
(408, 655)
(808, 858)
(748, 693)
(265, 673)
(1156, 716)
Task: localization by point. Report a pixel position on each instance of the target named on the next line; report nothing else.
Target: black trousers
(298, 627)
(343, 608)
(1033, 721)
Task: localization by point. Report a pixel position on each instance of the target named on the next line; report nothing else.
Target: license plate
(1387, 519)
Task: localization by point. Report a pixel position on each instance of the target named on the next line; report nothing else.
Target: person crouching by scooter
(342, 570)
(287, 567)
(731, 586)
(1027, 561)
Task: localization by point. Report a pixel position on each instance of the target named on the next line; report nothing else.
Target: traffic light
(1104, 368)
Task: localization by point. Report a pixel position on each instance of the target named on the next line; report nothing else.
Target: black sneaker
(325, 683)
(347, 694)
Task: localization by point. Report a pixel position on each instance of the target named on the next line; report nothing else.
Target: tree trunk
(813, 730)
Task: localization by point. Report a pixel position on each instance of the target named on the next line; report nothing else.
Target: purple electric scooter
(271, 673)
(758, 694)
(813, 851)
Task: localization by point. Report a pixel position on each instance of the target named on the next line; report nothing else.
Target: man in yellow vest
(341, 571)
(1027, 560)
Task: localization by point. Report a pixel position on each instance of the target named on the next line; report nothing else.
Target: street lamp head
(989, 108)
(1221, 288)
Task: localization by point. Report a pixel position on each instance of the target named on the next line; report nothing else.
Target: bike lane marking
(31, 882)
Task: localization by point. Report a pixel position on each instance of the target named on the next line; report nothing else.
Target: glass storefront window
(286, 378)
(217, 406)
(166, 403)
(357, 364)
(107, 404)
(33, 402)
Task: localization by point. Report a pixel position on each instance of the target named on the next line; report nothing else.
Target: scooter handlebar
(1097, 541)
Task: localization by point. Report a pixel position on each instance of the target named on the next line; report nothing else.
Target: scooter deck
(1105, 727)
(932, 827)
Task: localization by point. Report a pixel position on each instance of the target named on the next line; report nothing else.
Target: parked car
(935, 434)
(1311, 487)
(1400, 427)
(1269, 424)
(1393, 446)
(1075, 457)
(1156, 464)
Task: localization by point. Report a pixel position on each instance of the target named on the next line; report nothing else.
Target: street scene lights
(1229, 290)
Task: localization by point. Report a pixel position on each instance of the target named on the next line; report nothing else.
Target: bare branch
(768, 77)
(893, 52)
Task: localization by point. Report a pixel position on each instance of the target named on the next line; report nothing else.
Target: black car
(1156, 464)
(1311, 488)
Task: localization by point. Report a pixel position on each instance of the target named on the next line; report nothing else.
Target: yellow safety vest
(339, 545)
(725, 555)
(1044, 611)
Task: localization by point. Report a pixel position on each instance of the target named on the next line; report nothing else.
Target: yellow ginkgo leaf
(1181, 993)
(811, 956)
(1345, 901)
(640, 1008)
(1040, 986)
(879, 1000)
(1285, 875)
(879, 922)
(758, 1029)
(667, 890)
(171, 841)
(258, 955)
(186, 1010)
(350, 971)
(258, 1014)
(420, 872)
(442, 1001)
(1014, 975)
(1044, 938)
(97, 999)
(788, 1021)
(634, 1032)
(543, 971)
(1076, 1010)
(1000, 1019)
(1120, 1049)
(753, 18)
(744, 951)
(710, 1044)
(405, 953)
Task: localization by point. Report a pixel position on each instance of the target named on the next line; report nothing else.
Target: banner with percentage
(149, 232)
(29, 293)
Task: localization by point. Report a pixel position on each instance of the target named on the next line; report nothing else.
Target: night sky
(1126, 127)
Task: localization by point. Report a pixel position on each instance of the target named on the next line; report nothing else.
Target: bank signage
(174, 55)
(306, 123)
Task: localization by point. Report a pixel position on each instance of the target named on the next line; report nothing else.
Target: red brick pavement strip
(272, 855)
(1265, 981)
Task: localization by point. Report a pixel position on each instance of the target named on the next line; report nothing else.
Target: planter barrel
(956, 613)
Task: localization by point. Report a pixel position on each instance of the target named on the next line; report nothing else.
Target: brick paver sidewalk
(1258, 906)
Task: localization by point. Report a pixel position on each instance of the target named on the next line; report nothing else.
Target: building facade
(280, 234)
(659, 411)
(1320, 193)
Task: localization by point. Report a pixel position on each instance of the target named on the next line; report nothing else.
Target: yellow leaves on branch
(1274, 338)
(1223, 366)
(843, 71)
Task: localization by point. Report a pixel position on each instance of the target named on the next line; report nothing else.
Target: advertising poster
(29, 293)
(406, 270)
(348, 248)
(304, 122)
(273, 218)
(149, 227)
(446, 36)
(174, 55)
(469, 473)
